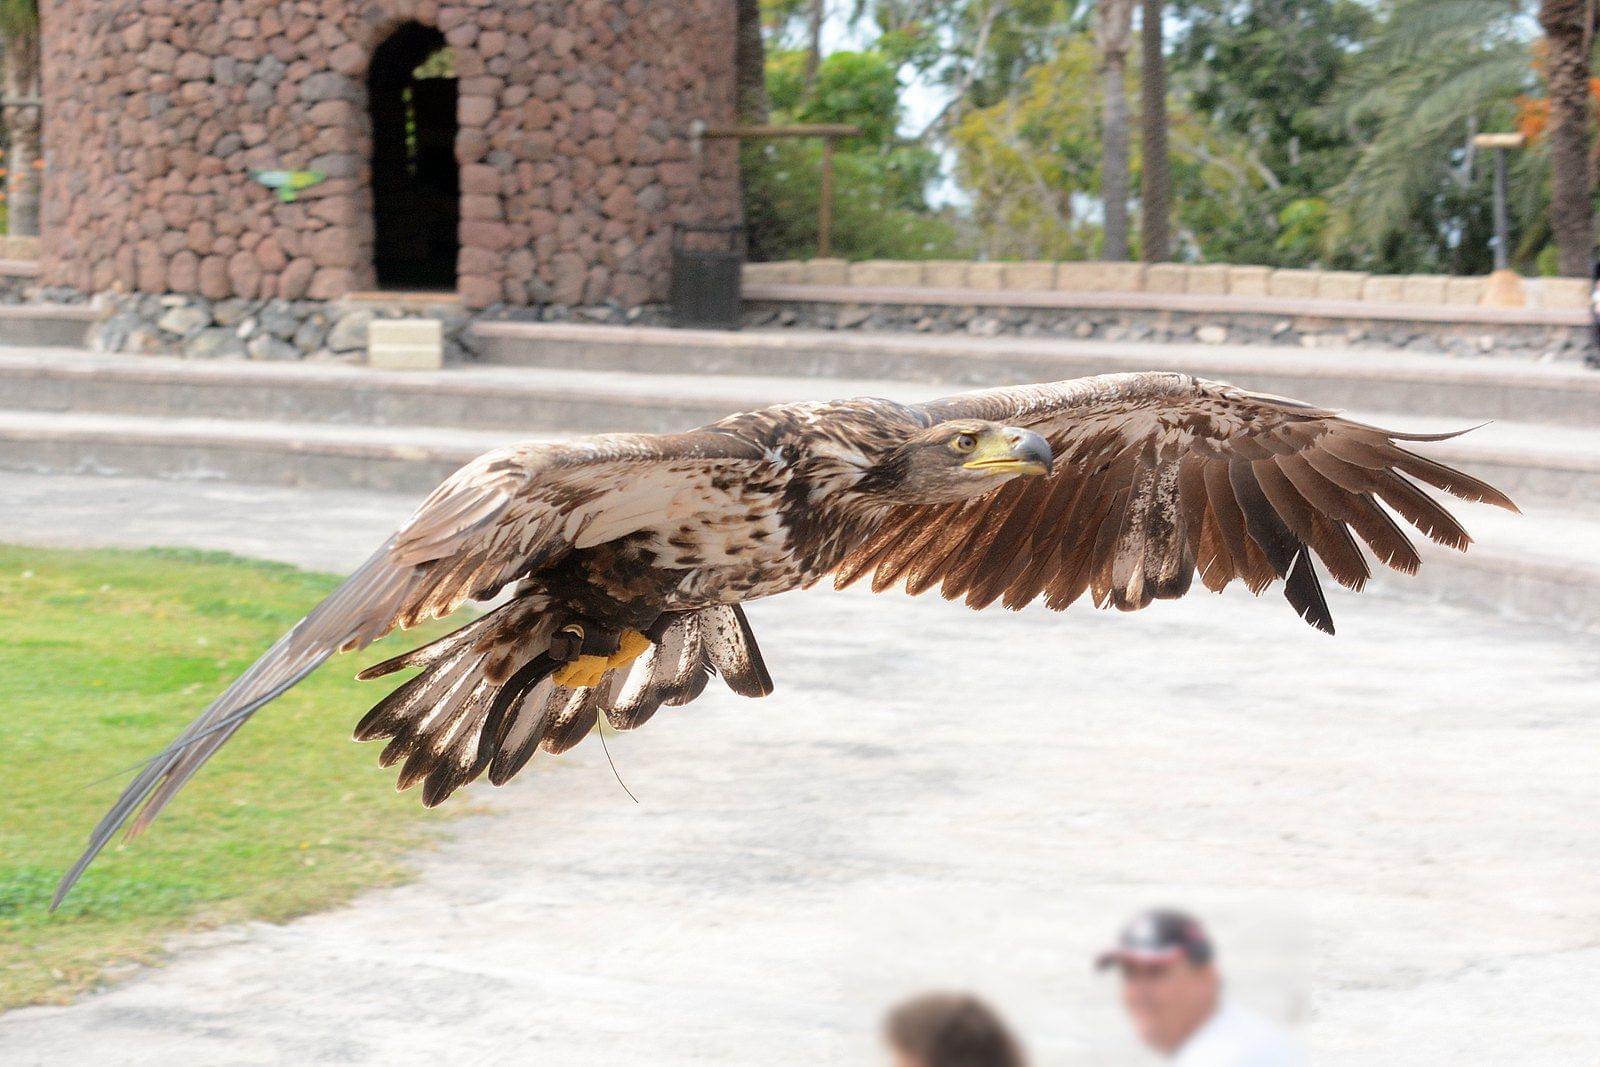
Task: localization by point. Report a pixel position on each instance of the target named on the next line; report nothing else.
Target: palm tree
(1435, 72)
(1155, 189)
(1114, 27)
(19, 24)
(1566, 25)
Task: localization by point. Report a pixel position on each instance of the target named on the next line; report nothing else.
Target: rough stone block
(1384, 289)
(945, 273)
(1299, 284)
(1209, 278)
(1465, 291)
(827, 272)
(1423, 288)
(1097, 276)
(986, 275)
(1166, 278)
(787, 273)
(1341, 284)
(1564, 293)
(405, 344)
(1028, 275)
(1249, 281)
(885, 272)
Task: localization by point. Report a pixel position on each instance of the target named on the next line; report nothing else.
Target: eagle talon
(631, 644)
(583, 672)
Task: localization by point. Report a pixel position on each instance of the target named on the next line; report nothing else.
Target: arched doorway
(416, 187)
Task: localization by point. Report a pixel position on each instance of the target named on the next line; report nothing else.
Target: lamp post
(1505, 287)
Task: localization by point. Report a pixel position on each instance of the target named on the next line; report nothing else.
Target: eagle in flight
(623, 559)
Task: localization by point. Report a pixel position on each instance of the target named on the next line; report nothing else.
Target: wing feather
(1158, 476)
(504, 515)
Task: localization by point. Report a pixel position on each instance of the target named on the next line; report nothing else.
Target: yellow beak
(1010, 450)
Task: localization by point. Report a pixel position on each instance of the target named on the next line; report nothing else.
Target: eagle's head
(956, 460)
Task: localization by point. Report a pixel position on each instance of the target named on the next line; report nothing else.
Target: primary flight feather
(626, 556)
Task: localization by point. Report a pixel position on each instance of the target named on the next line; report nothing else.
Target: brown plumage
(1155, 478)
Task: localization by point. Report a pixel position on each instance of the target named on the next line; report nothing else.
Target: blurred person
(1172, 991)
(949, 1030)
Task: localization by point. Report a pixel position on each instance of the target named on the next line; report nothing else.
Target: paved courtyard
(1392, 833)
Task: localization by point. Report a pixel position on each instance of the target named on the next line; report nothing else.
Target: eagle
(616, 565)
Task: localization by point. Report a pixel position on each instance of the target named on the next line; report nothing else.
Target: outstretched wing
(1159, 475)
(503, 516)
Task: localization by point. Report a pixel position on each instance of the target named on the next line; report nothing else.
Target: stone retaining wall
(1529, 340)
(1166, 278)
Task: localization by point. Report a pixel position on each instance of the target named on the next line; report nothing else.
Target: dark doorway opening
(416, 186)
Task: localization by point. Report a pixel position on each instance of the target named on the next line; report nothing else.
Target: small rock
(278, 319)
(349, 334)
(216, 342)
(266, 346)
(852, 316)
(312, 333)
(230, 312)
(184, 320)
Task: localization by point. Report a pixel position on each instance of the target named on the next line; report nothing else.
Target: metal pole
(825, 207)
(1501, 236)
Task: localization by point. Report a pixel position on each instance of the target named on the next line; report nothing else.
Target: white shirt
(1233, 1037)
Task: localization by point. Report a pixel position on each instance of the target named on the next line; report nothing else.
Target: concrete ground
(1390, 831)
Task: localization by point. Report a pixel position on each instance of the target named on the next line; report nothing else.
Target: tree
(1566, 26)
(19, 24)
(815, 16)
(1031, 159)
(1260, 71)
(750, 64)
(880, 205)
(1155, 189)
(1114, 26)
(1433, 73)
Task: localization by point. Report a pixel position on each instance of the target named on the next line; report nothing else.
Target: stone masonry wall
(574, 144)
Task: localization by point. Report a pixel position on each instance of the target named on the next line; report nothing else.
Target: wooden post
(825, 130)
(825, 205)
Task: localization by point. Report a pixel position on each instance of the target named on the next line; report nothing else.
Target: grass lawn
(104, 656)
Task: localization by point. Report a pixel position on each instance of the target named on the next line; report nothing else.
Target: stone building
(517, 152)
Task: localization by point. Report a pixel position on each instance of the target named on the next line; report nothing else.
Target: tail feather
(486, 700)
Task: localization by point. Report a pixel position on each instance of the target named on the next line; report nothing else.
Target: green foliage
(19, 17)
(880, 204)
(879, 207)
(104, 656)
(1330, 133)
(1435, 72)
(855, 88)
(1031, 160)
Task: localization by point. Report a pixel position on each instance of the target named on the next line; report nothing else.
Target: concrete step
(1355, 378)
(48, 325)
(1539, 566)
(480, 398)
(408, 459)
(1529, 461)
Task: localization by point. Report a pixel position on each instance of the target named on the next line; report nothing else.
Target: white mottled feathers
(506, 514)
(1156, 477)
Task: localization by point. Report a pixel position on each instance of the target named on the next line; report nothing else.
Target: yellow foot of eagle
(587, 671)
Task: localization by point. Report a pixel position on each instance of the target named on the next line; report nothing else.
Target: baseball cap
(1158, 935)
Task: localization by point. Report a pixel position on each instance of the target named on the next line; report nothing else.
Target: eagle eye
(964, 442)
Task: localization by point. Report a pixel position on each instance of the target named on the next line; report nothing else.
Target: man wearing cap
(1173, 995)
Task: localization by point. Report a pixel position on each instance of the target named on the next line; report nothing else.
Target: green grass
(104, 656)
